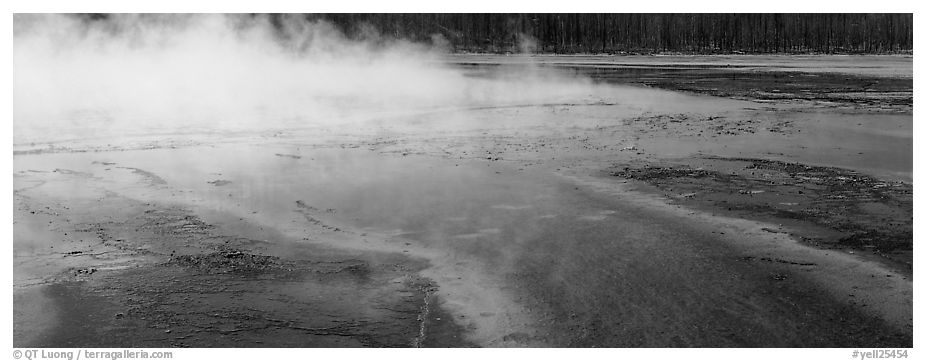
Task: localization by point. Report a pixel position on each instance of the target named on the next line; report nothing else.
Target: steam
(142, 74)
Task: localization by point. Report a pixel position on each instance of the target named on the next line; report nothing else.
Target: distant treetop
(644, 33)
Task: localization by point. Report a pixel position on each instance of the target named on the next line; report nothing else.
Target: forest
(600, 33)
(643, 33)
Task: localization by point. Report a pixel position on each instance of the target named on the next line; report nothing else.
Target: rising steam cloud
(138, 74)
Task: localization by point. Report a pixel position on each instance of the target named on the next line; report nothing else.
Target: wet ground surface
(782, 84)
(632, 217)
(531, 242)
(134, 274)
(831, 89)
(860, 212)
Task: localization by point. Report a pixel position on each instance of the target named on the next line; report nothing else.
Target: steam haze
(138, 74)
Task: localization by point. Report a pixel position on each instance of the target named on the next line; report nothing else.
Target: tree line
(642, 33)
